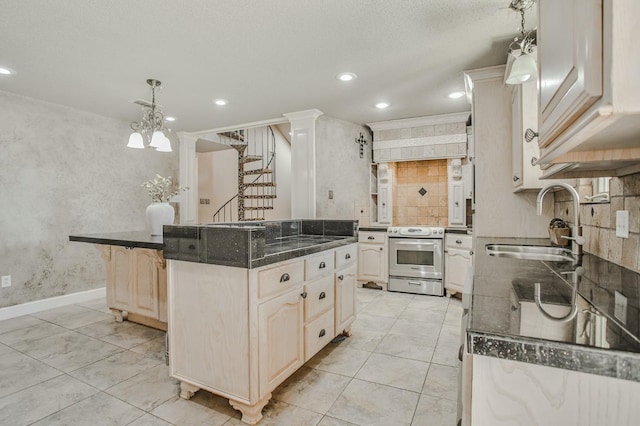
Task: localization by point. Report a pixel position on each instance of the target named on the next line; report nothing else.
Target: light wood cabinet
(381, 193)
(588, 87)
(373, 255)
(458, 259)
(137, 285)
(240, 333)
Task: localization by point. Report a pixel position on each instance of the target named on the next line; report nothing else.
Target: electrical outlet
(330, 195)
(205, 200)
(6, 281)
(622, 223)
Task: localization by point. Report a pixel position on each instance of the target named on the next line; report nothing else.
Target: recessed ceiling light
(169, 118)
(6, 71)
(346, 76)
(382, 105)
(220, 102)
(456, 95)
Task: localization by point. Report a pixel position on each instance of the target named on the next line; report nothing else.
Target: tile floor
(77, 366)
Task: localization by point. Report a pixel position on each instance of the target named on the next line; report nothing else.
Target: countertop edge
(567, 356)
(116, 242)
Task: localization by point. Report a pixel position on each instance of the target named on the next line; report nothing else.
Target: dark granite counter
(255, 244)
(604, 336)
(141, 239)
(374, 228)
(457, 230)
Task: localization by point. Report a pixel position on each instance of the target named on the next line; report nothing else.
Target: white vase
(158, 215)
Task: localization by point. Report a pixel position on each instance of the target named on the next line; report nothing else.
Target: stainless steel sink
(553, 254)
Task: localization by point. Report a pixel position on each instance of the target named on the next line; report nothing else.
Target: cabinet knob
(534, 160)
(529, 135)
(284, 278)
(471, 252)
(516, 178)
(458, 241)
(341, 277)
(322, 265)
(322, 295)
(322, 333)
(347, 256)
(371, 237)
(460, 352)
(303, 294)
(381, 248)
(457, 204)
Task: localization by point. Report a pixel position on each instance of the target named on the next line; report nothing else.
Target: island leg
(187, 390)
(251, 414)
(118, 314)
(346, 332)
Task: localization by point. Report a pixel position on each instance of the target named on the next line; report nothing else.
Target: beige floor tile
(17, 323)
(331, 421)
(415, 328)
(365, 403)
(59, 314)
(363, 340)
(367, 295)
(433, 411)
(98, 410)
(149, 420)
(19, 371)
(4, 349)
(186, 413)
(35, 332)
(383, 308)
(147, 390)
(432, 303)
(44, 399)
(338, 360)
(423, 315)
(104, 328)
(388, 370)
(446, 352)
(99, 304)
(133, 336)
(114, 369)
(154, 349)
(376, 323)
(311, 389)
(442, 382)
(82, 319)
(418, 348)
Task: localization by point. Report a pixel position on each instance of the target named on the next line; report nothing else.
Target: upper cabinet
(589, 90)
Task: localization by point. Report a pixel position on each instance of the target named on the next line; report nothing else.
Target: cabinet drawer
(280, 278)
(346, 255)
(320, 297)
(317, 334)
(372, 237)
(461, 241)
(319, 264)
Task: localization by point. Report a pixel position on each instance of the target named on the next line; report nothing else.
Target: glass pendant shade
(523, 69)
(165, 145)
(135, 140)
(156, 139)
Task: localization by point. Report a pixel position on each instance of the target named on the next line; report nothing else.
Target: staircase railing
(256, 196)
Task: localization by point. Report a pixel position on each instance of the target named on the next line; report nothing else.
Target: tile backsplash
(420, 193)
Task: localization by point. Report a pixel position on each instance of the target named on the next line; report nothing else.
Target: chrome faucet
(577, 240)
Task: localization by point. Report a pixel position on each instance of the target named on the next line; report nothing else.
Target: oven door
(415, 257)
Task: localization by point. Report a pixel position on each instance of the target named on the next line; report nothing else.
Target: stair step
(233, 135)
(259, 197)
(258, 208)
(250, 158)
(239, 147)
(260, 184)
(258, 172)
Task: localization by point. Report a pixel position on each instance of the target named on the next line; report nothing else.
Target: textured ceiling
(267, 57)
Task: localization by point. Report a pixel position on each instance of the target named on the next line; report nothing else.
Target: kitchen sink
(515, 251)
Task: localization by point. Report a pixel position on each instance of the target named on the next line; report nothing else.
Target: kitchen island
(519, 364)
(249, 303)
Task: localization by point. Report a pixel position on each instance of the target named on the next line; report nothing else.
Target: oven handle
(426, 243)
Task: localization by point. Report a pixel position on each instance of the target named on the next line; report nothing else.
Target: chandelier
(151, 128)
(522, 47)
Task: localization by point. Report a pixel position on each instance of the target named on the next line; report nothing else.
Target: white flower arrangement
(161, 189)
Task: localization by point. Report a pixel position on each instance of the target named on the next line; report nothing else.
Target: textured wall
(340, 169)
(411, 208)
(64, 171)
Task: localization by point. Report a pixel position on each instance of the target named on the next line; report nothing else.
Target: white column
(303, 163)
(188, 200)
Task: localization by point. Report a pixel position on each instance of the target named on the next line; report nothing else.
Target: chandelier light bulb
(156, 139)
(523, 69)
(135, 141)
(165, 145)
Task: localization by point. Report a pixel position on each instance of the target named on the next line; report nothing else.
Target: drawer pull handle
(192, 246)
(303, 294)
(341, 277)
(458, 241)
(322, 333)
(460, 352)
(322, 265)
(347, 256)
(371, 237)
(322, 295)
(284, 278)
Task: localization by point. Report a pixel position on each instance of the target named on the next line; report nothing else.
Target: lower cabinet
(240, 333)
(137, 285)
(457, 261)
(373, 258)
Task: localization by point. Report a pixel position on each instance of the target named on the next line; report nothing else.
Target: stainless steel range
(416, 260)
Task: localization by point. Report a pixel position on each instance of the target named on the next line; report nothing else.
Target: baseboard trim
(52, 302)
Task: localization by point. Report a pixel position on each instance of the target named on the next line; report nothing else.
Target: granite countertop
(458, 230)
(504, 321)
(142, 239)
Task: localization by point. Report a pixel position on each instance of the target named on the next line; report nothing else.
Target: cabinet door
(144, 283)
(371, 262)
(457, 262)
(457, 206)
(384, 204)
(119, 282)
(569, 62)
(345, 307)
(281, 339)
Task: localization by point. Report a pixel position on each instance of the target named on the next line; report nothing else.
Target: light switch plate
(622, 223)
(6, 281)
